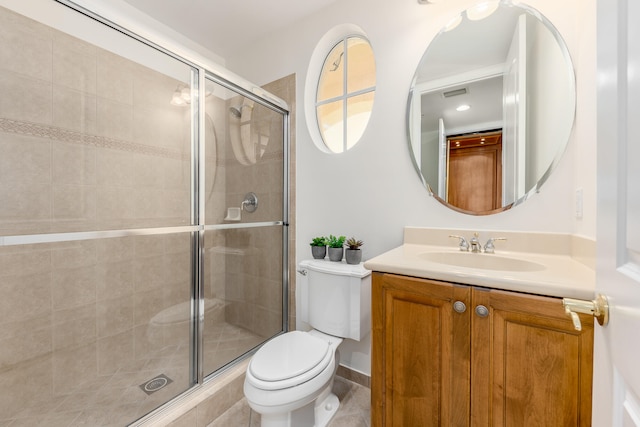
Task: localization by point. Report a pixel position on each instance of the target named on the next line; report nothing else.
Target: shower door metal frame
(284, 223)
(223, 77)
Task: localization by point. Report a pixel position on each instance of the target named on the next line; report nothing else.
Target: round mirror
(491, 107)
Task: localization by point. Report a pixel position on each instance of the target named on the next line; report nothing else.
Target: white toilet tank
(335, 298)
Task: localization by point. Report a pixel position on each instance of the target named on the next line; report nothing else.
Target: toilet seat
(289, 360)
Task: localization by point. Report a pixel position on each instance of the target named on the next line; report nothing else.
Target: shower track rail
(30, 239)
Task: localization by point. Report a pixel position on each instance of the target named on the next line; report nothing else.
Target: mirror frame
(562, 145)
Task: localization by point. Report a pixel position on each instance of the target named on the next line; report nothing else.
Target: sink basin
(481, 261)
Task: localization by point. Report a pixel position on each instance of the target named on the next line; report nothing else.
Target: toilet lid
(289, 355)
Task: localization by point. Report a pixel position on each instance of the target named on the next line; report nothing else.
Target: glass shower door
(245, 224)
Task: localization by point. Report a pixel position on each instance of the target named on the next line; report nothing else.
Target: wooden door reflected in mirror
(474, 178)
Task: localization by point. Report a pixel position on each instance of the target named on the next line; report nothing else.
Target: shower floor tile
(117, 400)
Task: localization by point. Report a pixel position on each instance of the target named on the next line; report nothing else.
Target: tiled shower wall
(89, 139)
(89, 142)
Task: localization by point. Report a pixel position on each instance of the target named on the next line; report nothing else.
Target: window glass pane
(331, 83)
(361, 67)
(331, 122)
(358, 113)
(357, 65)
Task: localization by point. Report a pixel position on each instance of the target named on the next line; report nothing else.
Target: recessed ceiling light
(463, 107)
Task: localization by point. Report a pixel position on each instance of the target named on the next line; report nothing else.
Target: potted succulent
(319, 247)
(336, 247)
(353, 252)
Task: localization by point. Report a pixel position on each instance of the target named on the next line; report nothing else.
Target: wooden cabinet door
(420, 358)
(530, 367)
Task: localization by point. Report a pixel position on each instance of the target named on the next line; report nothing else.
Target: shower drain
(155, 384)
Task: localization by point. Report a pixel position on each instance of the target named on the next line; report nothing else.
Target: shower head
(236, 111)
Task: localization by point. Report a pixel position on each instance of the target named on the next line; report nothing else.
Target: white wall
(372, 191)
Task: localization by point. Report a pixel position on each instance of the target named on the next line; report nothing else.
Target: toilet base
(317, 413)
(326, 409)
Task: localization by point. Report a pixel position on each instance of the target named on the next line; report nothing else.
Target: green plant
(319, 241)
(336, 242)
(353, 243)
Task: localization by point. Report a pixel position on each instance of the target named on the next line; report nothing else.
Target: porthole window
(344, 93)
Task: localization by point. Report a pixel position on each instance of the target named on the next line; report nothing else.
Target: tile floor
(116, 400)
(354, 411)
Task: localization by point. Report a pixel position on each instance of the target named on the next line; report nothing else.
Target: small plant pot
(336, 254)
(318, 252)
(354, 256)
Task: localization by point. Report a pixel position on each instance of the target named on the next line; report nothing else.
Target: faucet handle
(489, 248)
(464, 245)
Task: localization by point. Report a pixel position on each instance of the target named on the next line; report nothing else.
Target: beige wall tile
(115, 168)
(24, 260)
(114, 279)
(74, 110)
(150, 273)
(115, 203)
(187, 420)
(74, 164)
(162, 126)
(148, 173)
(22, 291)
(74, 202)
(25, 98)
(26, 46)
(23, 201)
(152, 88)
(73, 254)
(117, 249)
(114, 119)
(115, 79)
(24, 159)
(73, 287)
(176, 174)
(114, 316)
(25, 340)
(74, 63)
(217, 404)
(74, 327)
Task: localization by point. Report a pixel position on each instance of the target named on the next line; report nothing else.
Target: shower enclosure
(143, 221)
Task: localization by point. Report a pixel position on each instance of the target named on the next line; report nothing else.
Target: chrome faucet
(464, 245)
(476, 247)
(488, 247)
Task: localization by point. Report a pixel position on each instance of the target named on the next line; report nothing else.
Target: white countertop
(562, 275)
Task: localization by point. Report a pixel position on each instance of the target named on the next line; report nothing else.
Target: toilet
(289, 379)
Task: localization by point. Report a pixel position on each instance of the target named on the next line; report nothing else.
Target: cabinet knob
(459, 307)
(482, 311)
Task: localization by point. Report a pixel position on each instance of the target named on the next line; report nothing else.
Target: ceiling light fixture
(181, 96)
(463, 107)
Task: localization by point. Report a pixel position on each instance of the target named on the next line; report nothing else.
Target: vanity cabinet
(457, 355)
